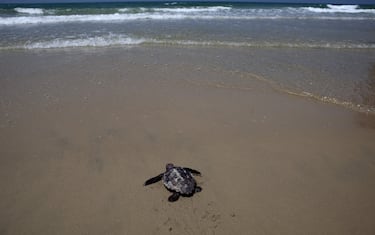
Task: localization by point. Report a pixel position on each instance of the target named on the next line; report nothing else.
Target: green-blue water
(234, 24)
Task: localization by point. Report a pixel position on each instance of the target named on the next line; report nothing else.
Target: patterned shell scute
(179, 180)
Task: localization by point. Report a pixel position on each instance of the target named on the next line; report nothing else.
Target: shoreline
(359, 98)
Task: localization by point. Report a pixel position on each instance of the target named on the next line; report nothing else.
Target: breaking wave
(339, 9)
(176, 10)
(103, 41)
(31, 11)
(49, 19)
(111, 40)
(30, 16)
(193, 9)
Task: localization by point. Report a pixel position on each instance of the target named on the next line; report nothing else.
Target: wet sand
(81, 130)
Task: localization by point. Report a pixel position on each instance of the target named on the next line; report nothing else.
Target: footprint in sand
(211, 216)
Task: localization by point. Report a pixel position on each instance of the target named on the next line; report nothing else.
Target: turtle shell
(179, 180)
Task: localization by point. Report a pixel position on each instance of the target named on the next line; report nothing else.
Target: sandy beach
(81, 130)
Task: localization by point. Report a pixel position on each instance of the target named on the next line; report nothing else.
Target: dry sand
(81, 131)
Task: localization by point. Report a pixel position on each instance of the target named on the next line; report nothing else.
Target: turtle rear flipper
(174, 197)
(154, 179)
(198, 189)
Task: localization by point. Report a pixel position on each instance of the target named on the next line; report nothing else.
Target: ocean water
(323, 52)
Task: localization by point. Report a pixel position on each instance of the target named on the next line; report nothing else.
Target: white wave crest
(124, 40)
(118, 17)
(170, 3)
(339, 9)
(103, 41)
(22, 20)
(342, 7)
(31, 11)
(193, 9)
(175, 10)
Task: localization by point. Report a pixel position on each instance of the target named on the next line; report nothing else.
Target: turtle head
(169, 166)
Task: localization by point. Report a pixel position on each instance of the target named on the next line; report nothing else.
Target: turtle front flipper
(192, 171)
(154, 179)
(174, 197)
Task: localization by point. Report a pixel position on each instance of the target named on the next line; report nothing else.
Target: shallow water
(324, 52)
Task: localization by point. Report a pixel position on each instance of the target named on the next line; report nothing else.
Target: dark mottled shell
(179, 180)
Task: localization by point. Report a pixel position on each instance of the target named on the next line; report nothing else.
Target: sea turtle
(178, 180)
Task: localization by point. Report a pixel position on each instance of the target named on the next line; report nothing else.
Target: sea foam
(51, 19)
(125, 40)
(339, 9)
(103, 18)
(191, 10)
(99, 41)
(31, 11)
(32, 16)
